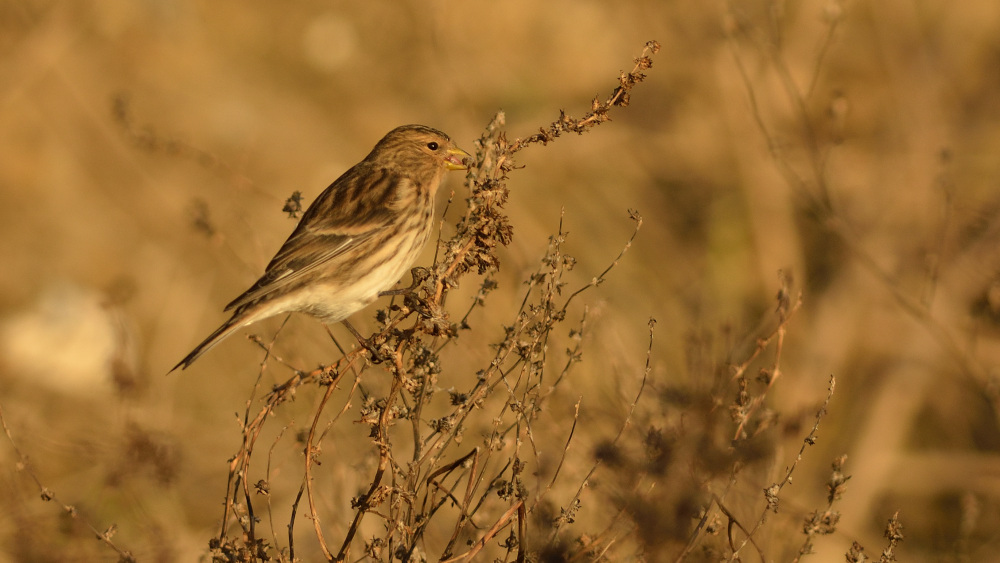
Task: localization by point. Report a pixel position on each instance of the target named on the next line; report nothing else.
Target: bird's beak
(455, 160)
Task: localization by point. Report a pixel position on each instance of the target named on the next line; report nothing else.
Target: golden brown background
(123, 237)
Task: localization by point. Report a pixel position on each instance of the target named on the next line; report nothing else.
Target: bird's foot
(368, 344)
(419, 276)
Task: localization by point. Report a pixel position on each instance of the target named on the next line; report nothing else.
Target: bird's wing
(353, 209)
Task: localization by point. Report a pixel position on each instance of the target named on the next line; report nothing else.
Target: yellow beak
(456, 159)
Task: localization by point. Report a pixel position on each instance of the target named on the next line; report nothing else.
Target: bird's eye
(432, 145)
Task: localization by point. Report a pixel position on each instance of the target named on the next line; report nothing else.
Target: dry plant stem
(775, 372)
(310, 451)
(599, 110)
(239, 466)
(550, 290)
(124, 556)
(459, 256)
(625, 424)
(740, 369)
(497, 526)
(487, 285)
(415, 425)
(467, 509)
(893, 533)
(945, 185)
(593, 549)
(486, 386)
(574, 356)
(522, 531)
(307, 479)
(817, 159)
(291, 521)
(432, 484)
(382, 440)
(241, 476)
(772, 493)
(734, 522)
(825, 522)
(599, 279)
(696, 533)
(267, 479)
(834, 22)
(562, 459)
(772, 49)
(470, 491)
(608, 537)
(240, 462)
(488, 379)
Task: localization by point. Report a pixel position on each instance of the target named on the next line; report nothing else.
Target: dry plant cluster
(436, 496)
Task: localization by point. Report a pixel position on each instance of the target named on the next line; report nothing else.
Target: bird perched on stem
(356, 239)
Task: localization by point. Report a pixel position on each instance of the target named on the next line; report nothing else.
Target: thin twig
(772, 493)
(48, 494)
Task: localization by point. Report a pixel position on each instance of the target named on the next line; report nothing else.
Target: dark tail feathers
(219, 335)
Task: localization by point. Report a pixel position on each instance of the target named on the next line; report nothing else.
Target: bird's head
(419, 146)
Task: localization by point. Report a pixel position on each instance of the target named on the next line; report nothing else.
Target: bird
(356, 239)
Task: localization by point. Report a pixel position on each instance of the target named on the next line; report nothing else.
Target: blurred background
(147, 148)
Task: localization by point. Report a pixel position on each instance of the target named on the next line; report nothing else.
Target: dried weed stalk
(48, 495)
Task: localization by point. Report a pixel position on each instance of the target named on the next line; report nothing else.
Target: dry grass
(815, 186)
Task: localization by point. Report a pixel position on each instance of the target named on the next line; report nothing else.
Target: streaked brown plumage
(356, 239)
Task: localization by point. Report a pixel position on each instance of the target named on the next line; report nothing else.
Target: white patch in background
(65, 340)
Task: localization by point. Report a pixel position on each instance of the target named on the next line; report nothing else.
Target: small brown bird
(356, 239)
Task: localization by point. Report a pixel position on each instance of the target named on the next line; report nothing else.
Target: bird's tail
(219, 335)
